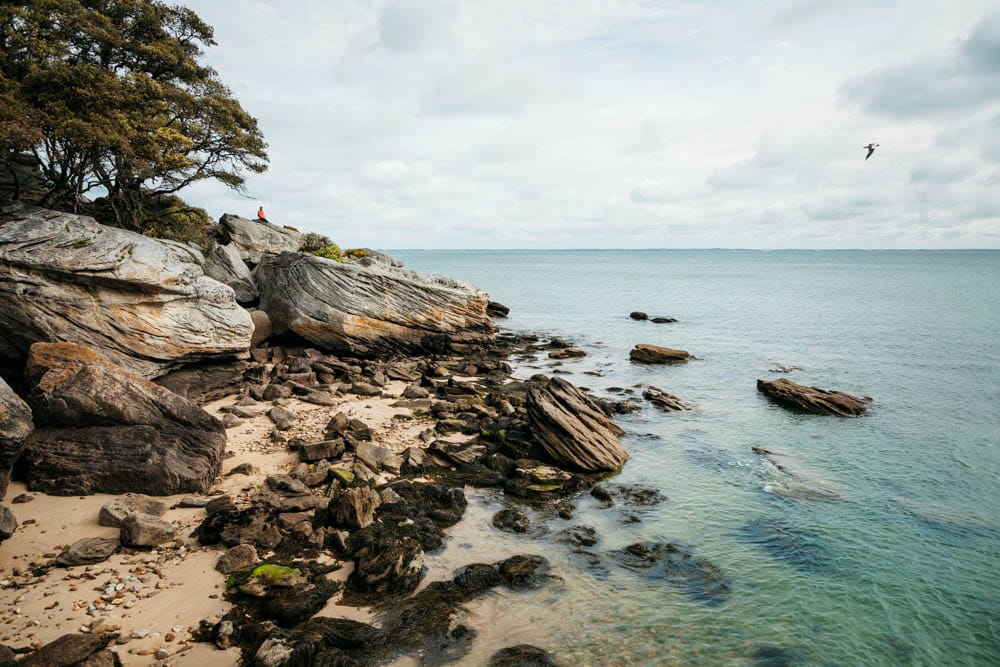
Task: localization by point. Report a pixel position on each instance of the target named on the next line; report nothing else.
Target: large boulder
(813, 399)
(573, 429)
(15, 426)
(100, 429)
(8, 523)
(145, 304)
(223, 263)
(362, 310)
(644, 353)
(253, 239)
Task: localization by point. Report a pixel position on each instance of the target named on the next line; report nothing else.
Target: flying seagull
(871, 149)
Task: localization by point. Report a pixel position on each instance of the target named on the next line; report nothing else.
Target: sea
(896, 562)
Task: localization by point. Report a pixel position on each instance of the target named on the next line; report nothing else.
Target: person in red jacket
(260, 215)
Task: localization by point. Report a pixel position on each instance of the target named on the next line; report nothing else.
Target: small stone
(114, 512)
(242, 555)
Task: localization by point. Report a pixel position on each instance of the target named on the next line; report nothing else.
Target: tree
(109, 96)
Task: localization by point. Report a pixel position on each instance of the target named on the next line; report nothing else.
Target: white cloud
(617, 123)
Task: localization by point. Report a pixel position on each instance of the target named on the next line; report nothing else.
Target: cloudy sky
(619, 123)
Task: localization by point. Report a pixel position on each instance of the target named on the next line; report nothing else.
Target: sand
(157, 597)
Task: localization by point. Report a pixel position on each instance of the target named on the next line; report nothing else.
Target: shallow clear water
(901, 569)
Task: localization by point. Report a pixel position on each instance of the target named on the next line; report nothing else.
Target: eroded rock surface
(573, 429)
(145, 304)
(15, 426)
(253, 239)
(223, 263)
(363, 310)
(645, 353)
(101, 429)
(813, 399)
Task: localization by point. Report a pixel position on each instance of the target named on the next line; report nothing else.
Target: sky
(618, 123)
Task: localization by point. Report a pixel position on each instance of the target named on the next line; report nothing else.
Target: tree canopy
(109, 96)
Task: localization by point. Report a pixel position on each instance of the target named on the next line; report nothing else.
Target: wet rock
(679, 567)
(237, 558)
(8, 523)
(665, 400)
(229, 420)
(15, 426)
(101, 429)
(813, 399)
(644, 353)
(663, 320)
(511, 521)
(114, 512)
(638, 315)
(66, 651)
(392, 568)
(146, 530)
(522, 655)
(573, 429)
(567, 353)
(495, 309)
(88, 551)
(355, 507)
(580, 536)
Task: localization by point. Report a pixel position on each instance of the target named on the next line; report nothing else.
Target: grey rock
(101, 429)
(274, 390)
(363, 310)
(573, 429)
(88, 551)
(355, 507)
(320, 398)
(240, 556)
(223, 263)
(254, 239)
(365, 389)
(15, 426)
(378, 458)
(317, 451)
(262, 329)
(415, 391)
(280, 414)
(146, 530)
(145, 304)
(229, 420)
(8, 523)
(115, 511)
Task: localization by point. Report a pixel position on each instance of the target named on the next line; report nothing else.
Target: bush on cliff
(110, 98)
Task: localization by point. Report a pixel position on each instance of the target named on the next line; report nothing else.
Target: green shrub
(331, 251)
(356, 253)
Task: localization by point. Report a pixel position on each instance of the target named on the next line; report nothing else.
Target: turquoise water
(902, 568)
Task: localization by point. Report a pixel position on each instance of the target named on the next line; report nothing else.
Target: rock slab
(573, 429)
(104, 430)
(365, 310)
(252, 239)
(146, 304)
(813, 399)
(645, 353)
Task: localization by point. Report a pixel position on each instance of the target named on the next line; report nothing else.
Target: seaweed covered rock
(813, 399)
(573, 429)
(679, 567)
(15, 426)
(145, 304)
(323, 641)
(280, 593)
(522, 655)
(101, 429)
(362, 310)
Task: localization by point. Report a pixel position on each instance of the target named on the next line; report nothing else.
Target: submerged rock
(104, 430)
(678, 566)
(365, 310)
(522, 655)
(800, 547)
(495, 309)
(664, 400)
(813, 399)
(573, 429)
(644, 353)
(145, 304)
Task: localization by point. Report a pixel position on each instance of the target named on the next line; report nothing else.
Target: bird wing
(870, 151)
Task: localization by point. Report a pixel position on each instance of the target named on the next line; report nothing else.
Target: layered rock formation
(813, 399)
(573, 429)
(645, 353)
(223, 263)
(15, 426)
(146, 304)
(253, 239)
(365, 310)
(102, 429)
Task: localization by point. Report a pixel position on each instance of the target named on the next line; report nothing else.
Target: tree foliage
(110, 96)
